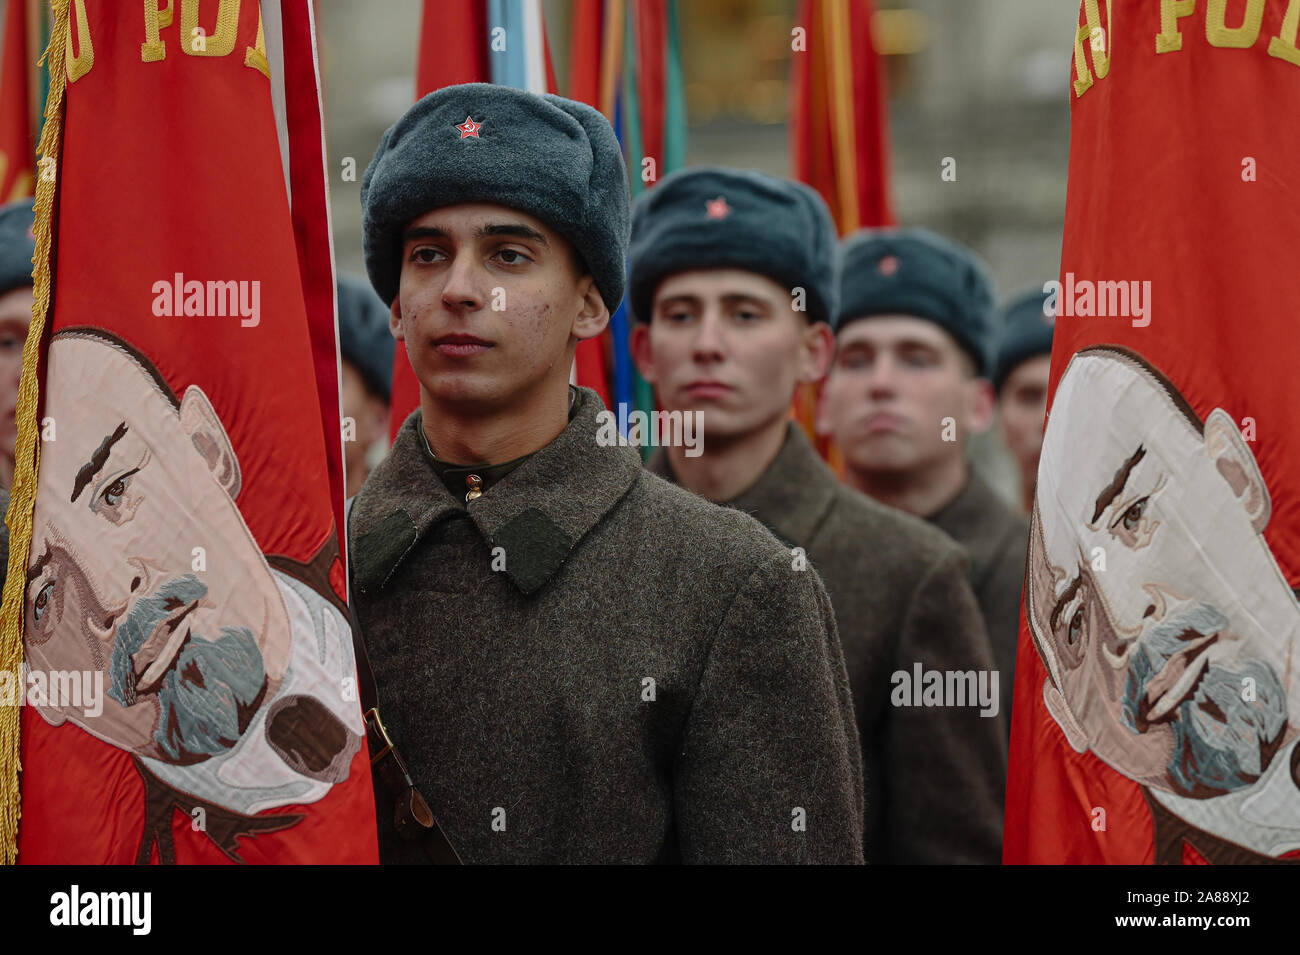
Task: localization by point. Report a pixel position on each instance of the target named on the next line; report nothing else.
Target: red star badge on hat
(717, 208)
(888, 265)
(469, 128)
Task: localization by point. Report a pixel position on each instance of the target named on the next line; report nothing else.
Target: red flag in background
(19, 113)
(173, 532)
(1157, 702)
(839, 137)
(586, 40)
(455, 47)
(585, 44)
(839, 133)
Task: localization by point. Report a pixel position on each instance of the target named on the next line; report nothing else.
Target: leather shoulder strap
(411, 814)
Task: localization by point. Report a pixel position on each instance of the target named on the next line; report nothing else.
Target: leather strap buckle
(374, 723)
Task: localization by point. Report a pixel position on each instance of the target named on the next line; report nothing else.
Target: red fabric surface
(1156, 193)
(174, 166)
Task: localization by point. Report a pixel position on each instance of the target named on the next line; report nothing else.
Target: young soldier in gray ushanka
(908, 385)
(732, 284)
(579, 661)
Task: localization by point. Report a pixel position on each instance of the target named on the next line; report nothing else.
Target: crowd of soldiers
(705, 657)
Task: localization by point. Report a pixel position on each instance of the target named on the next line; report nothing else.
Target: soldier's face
(15, 315)
(895, 382)
(141, 566)
(1022, 405)
(490, 306)
(729, 344)
(1169, 623)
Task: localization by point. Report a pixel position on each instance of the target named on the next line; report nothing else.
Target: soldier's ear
(819, 347)
(642, 356)
(593, 316)
(395, 319)
(1235, 462)
(1074, 733)
(983, 402)
(209, 437)
(822, 414)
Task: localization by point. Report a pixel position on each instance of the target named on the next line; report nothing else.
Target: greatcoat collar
(537, 514)
(792, 496)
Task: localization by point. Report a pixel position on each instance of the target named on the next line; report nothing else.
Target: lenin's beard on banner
(1165, 624)
(141, 565)
(207, 695)
(1219, 735)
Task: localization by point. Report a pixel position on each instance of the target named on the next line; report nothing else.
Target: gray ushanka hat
(550, 157)
(364, 338)
(1026, 332)
(17, 244)
(918, 272)
(710, 217)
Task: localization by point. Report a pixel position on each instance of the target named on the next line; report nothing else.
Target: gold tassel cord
(27, 449)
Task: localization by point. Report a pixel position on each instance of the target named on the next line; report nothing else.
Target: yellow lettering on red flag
(1220, 34)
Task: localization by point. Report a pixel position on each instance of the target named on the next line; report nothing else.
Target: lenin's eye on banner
(1165, 660)
(227, 683)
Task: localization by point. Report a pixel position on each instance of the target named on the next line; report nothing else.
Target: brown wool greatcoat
(935, 776)
(996, 539)
(645, 678)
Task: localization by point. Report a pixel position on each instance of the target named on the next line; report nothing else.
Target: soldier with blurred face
(366, 350)
(732, 283)
(908, 385)
(1020, 380)
(17, 246)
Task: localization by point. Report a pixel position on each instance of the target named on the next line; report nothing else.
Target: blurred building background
(983, 82)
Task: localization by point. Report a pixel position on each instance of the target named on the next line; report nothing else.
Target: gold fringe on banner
(27, 449)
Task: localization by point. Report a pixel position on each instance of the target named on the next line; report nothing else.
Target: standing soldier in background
(1023, 363)
(579, 661)
(17, 246)
(366, 350)
(732, 285)
(908, 384)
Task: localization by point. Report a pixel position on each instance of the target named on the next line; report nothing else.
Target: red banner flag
(18, 101)
(585, 42)
(174, 567)
(839, 138)
(1157, 702)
